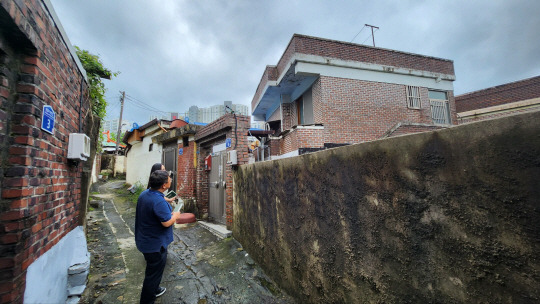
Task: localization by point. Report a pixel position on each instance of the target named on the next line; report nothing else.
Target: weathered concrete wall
(447, 216)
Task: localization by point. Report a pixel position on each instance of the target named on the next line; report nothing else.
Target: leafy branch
(96, 88)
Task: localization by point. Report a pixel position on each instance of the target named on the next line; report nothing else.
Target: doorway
(170, 160)
(216, 184)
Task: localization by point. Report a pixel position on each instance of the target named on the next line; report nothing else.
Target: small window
(185, 141)
(150, 147)
(413, 97)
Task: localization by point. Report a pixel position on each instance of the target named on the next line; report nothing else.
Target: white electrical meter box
(78, 146)
(232, 159)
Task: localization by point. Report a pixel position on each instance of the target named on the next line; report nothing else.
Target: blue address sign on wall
(48, 119)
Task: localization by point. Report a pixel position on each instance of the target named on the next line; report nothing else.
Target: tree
(113, 136)
(95, 71)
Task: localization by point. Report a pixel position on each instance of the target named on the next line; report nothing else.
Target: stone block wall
(449, 216)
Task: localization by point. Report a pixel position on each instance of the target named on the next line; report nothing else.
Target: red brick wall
(289, 117)
(355, 111)
(41, 192)
(355, 52)
(362, 53)
(289, 142)
(210, 135)
(498, 95)
(310, 137)
(274, 147)
(303, 137)
(202, 182)
(187, 172)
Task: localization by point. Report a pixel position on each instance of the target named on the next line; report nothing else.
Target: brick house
(181, 139)
(183, 148)
(515, 97)
(43, 194)
(215, 177)
(325, 93)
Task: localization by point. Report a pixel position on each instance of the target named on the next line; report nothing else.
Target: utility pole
(120, 121)
(372, 26)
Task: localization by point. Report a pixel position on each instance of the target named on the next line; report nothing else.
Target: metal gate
(169, 159)
(216, 186)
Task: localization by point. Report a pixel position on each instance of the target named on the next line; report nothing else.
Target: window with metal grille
(440, 110)
(413, 97)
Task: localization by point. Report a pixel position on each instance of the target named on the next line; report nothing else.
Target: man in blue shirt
(153, 233)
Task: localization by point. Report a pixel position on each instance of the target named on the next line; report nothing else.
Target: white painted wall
(120, 164)
(140, 160)
(46, 277)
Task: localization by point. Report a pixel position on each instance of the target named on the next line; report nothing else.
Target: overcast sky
(173, 54)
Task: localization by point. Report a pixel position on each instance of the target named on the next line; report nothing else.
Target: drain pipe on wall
(80, 106)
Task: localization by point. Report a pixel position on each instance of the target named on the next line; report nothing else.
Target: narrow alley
(201, 268)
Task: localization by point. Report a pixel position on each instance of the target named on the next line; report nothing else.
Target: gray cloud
(174, 54)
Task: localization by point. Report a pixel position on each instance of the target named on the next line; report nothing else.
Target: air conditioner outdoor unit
(232, 158)
(78, 147)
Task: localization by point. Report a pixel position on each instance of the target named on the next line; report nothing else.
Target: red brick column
(187, 171)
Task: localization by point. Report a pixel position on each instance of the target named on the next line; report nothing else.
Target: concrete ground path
(201, 268)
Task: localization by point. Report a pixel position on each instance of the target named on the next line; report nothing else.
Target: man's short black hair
(158, 178)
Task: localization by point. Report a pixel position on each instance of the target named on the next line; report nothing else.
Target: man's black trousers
(155, 264)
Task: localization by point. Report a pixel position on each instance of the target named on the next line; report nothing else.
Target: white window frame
(413, 97)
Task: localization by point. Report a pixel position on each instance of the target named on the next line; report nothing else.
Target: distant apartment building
(207, 115)
(167, 116)
(112, 125)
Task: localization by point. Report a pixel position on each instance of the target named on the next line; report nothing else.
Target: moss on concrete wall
(447, 216)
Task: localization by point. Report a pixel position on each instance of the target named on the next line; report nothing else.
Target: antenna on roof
(372, 26)
(363, 27)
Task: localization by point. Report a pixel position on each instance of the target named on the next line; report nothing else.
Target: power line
(144, 105)
(115, 105)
